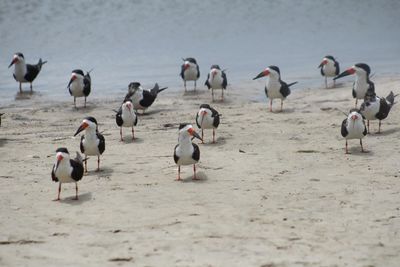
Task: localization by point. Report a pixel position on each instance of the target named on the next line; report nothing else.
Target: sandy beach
(276, 189)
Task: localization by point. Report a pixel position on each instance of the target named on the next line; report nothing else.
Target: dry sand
(290, 198)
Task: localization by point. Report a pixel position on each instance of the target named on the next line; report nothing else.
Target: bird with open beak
(207, 118)
(92, 142)
(362, 84)
(67, 170)
(186, 152)
(353, 127)
(329, 68)
(275, 87)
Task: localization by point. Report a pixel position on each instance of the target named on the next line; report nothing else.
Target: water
(144, 41)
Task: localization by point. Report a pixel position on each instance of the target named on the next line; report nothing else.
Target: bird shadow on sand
(128, 140)
(81, 199)
(103, 172)
(152, 112)
(191, 92)
(3, 141)
(219, 142)
(284, 111)
(201, 178)
(385, 132)
(357, 152)
(82, 109)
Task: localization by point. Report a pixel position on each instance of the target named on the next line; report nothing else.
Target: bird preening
(329, 68)
(142, 99)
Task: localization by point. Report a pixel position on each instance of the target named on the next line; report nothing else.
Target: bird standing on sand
(216, 79)
(186, 152)
(329, 68)
(362, 84)
(67, 170)
(207, 118)
(126, 116)
(275, 87)
(190, 71)
(353, 127)
(142, 99)
(79, 85)
(24, 73)
(376, 108)
(92, 142)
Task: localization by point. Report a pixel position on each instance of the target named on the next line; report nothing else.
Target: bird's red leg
(362, 149)
(368, 126)
(347, 151)
(202, 136)
(85, 164)
(195, 85)
(184, 84)
(194, 172)
(133, 134)
(222, 97)
(74, 101)
(85, 102)
(76, 191)
(379, 129)
(179, 173)
(213, 135)
(356, 102)
(270, 105)
(98, 163)
(31, 88)
(281, 105)
(20, 88)
(59, 192)
(120, 133)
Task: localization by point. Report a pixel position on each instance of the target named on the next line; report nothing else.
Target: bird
(329, 68)
(362, 83)
(1, 114)
(216, 79)
(92, 142)
(186, 152)
(275, 87)
(79, 85)
(23, 72)
(207, 118)
(142, 99)
(376, 108)
(126, 116)
(353, 127)
(190, 71)
(67, 170)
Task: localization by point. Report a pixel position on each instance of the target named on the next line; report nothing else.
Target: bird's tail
(41, 63)
(390, 98)
(156, 89)
(290, 84)
(78, 158)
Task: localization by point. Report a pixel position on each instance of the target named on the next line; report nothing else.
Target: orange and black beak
(73, 78)
(324, 62)
(347, 72)
(59, 159)
(262, 74)
(83, 126)
(193, 133)
(15, 60)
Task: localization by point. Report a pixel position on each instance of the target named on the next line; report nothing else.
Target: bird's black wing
(285, 90)
(337, 68)
(384, 109)
(365, 129)
(215, 115)
(197, 120)
(77, 170)
(196, 152)
(354, 91)
(198, 71)
(81, 144)
(183, 71)
(148, 99)
(53, 175)
(207, 83)
(118, 117)
(176, 158)
(102, 143)
(371, 86)
(322, 71)
(31, 72)
(136, 119)
(15, 77)
(87, 84)
(224, 80)
(344, 129)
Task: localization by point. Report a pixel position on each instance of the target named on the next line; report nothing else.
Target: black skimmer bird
(126, 116)
(216, 79)
(207, 118)
(376, 108)
(79, 85)
(25, 73)
(275, 87)
(186, 152)
(92, 142)
(353, 127)
(142, 99)
(190, 71)
(362, 83)
(67, 170)
(329, 68)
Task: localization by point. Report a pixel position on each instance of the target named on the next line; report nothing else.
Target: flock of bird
(92, 143)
